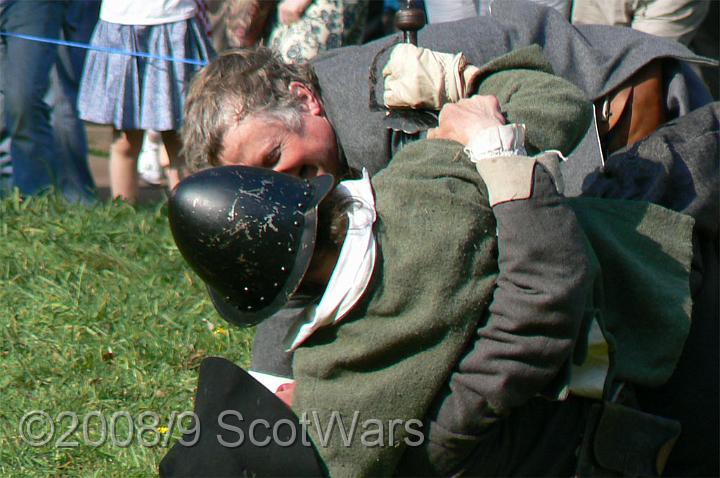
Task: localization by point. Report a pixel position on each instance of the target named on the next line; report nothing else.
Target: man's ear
(310, 102)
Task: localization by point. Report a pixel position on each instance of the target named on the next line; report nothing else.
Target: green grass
(98, 152)
(98, 312)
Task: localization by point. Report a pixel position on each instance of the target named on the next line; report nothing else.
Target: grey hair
(289, 117)
(234, 86)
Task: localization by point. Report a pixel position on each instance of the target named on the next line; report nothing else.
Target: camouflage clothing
(325, 24)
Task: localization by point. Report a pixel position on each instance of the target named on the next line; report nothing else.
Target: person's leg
(562, 6)
(173, 145)
(5, 162)
(601, 12)
(439, 11)
(149, 161)
(32, 145)
(124, 152)
(674, 19)
(74, 178)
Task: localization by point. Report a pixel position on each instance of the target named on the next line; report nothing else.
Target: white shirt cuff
(504, 140)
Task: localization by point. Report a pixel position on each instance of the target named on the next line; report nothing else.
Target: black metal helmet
(249, 233)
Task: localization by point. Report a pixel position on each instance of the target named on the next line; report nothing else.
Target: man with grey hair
(283, 126)
(249, 107)
(317, 120)
(332, 95)
(418, 217)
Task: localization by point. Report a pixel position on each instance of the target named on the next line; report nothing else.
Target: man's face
(267, 143)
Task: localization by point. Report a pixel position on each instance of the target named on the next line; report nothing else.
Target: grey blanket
(595, 58)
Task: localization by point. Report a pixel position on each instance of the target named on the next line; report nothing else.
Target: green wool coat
(431, 285)
(555, 112)
(361, 383)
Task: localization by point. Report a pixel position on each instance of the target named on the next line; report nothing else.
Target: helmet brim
(322, 185)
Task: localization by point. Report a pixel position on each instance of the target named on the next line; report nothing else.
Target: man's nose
(288, 167)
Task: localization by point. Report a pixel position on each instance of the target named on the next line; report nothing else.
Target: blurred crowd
(49, 88)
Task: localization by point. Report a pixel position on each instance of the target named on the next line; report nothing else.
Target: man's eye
(273, 157)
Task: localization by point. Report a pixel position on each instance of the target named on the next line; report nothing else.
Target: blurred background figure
(674, 19)
(375, 26)
(5, 163)
(42, 140)
(707, 43)
(136, 94)
(693, 23)
(439, 11)
(152, 159)
(562, 6)
(297, 29)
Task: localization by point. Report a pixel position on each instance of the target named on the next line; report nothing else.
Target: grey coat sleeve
(529, 332)
(269, 353)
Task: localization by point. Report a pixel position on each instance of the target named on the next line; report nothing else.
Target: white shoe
(148, 165)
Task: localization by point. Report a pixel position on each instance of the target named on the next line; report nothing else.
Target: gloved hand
(424, 79)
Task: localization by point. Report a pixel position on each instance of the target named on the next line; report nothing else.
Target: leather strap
(633, 110)
(612, 109)
(623, 441)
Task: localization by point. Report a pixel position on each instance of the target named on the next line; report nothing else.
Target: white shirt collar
(355, 264)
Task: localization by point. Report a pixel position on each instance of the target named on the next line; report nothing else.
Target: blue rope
(104, 49)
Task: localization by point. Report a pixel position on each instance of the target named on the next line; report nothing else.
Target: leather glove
(424, 79)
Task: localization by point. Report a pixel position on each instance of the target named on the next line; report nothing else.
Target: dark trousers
(40, 129)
